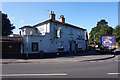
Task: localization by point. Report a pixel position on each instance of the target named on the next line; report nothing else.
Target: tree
(7, 27)
(102, 28)
(102, 23)
(94, 34)
(106, 30)
(117, 33)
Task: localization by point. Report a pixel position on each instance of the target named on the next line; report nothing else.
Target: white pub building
(53, 36)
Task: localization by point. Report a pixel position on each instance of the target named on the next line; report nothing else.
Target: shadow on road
(72, 55)
(101, 58)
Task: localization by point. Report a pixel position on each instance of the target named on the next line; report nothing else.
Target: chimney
(62, 19)
(52, 15)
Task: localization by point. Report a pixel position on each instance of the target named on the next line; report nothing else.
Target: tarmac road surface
(71, 69)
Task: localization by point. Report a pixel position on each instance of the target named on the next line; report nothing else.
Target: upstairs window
(23, 32)
(58, 33)
(31, 32)
(71, 32)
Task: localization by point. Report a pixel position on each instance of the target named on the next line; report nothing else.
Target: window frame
(32, 47)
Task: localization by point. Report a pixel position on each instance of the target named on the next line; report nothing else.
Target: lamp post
(94, 42)
(27, 47)
(95, 39)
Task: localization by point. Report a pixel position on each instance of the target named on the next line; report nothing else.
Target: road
(64, 69)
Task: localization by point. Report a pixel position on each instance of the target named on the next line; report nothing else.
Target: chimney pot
(62, 16)
(62, 19)
(52, 15)
(52, 12)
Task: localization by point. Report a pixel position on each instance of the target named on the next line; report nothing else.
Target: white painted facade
(45, 36)
(72, 39)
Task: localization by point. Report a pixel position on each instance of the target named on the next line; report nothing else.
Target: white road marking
(113, 73)
(59, 74)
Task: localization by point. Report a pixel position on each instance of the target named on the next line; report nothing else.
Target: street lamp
(95, 39)
(27, 47)
(94, 42)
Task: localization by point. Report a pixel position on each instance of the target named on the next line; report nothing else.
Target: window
(60, 46)
(23, 32)
(31, 32)
(79, 45)
(71, 32)
(34, 47)
(59, 43)
(20, 32)
(58, 33)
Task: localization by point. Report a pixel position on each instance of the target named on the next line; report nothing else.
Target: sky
(81, 14)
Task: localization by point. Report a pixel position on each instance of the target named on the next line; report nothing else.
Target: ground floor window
(59, 43)
(34, 47)
(79, 45)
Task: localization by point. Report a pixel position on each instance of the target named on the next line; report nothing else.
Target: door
(11, 50)
(70, 43)
(72, 46)
(86, 45)
(76, 47)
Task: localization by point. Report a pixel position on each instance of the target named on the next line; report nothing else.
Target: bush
(119, 43)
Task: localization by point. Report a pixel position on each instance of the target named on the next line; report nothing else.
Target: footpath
(72, 58)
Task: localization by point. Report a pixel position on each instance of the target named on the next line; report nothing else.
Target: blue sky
(82, 14)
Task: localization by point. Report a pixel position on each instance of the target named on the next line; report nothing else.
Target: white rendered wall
(47, 40)
(66, 36)
(28, 31)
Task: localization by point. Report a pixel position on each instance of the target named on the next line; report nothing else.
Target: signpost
(108, 41)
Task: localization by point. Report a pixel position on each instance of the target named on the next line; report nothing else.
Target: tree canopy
(7, 27)
(102, 28)
(106, 30)
(117, 33)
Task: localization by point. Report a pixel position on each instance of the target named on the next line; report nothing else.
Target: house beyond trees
(53, 36)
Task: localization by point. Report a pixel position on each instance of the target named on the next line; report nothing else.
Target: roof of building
(55, 21)
(27, 27)
(14, 35)
(50, 20)
(11, 39)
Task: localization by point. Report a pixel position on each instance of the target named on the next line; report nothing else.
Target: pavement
(72, 58)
